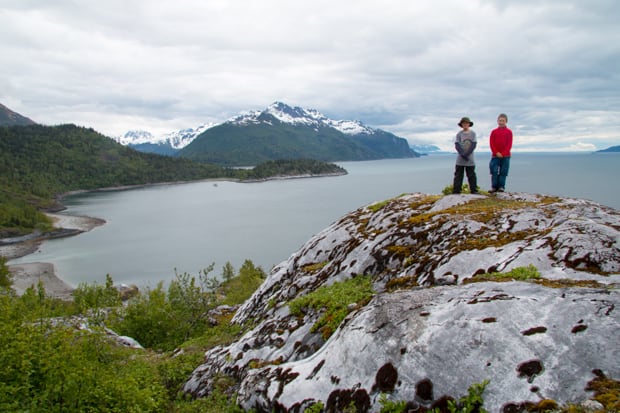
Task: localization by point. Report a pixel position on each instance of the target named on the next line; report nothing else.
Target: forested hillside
(231, 144)
(38, 162)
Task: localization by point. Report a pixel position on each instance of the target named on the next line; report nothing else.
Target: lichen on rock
(427, 326)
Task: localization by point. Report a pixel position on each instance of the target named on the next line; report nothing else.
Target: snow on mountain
(135, 137)
(282, 112)
(177, 139)
(299, 116)
(182, 138)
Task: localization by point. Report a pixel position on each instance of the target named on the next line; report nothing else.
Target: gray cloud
(413, 68)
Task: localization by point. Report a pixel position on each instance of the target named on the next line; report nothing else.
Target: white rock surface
(438, 329)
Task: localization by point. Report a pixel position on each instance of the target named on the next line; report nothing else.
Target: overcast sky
(411, 67)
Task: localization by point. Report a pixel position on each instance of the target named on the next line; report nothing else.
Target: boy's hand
(499, 155)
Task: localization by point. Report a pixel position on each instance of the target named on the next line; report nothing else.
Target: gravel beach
(27, 275)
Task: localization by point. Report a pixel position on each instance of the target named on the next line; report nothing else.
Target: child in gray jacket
(465, 143)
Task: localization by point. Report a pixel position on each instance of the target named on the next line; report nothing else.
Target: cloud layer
(410, 67)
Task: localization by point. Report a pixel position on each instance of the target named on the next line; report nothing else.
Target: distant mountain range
(10, 118)
(425, 149)
(611, 149)
(168, 144)
(278, 132)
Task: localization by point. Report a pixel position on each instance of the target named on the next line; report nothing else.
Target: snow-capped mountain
(278, 132)
(135, 137)
(296, 115)
(284, 113)
(289, 132)
(175, 140)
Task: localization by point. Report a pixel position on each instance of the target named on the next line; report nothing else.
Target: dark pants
(459, 171)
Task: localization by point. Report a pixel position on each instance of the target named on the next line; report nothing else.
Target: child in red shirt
(501, 144)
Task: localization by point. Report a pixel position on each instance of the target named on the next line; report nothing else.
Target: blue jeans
(499, 171)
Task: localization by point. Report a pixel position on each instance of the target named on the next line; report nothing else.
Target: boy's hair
(503, 115)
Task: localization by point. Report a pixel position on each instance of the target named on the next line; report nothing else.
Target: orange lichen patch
(568, 283)
(485, 209)
(559, 283)
(310, 268)
(484, 278)
(257, 363)
(545, 405)
(606, 391)
(399, 283)
(426, 200)
(400, 251)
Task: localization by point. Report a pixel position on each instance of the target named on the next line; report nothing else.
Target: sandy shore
(30, 274)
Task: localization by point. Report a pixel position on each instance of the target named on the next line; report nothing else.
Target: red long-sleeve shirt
(501, 141)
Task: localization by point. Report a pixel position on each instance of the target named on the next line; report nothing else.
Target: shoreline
(28, 275)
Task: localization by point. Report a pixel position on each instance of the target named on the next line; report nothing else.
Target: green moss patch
(516, 274)
(334, 301)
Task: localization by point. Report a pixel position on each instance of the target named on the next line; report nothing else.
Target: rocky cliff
(517, 289)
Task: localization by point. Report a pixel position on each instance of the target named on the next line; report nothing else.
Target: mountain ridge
(285, 132)
(11, 118)
(359, 141)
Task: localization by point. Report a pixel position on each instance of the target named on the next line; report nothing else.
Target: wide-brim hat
(466, 119)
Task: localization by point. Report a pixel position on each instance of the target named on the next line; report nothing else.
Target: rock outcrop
(441, 318)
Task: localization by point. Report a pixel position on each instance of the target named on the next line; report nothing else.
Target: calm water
(150, 232)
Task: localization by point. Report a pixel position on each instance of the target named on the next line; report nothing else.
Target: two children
(465, 143)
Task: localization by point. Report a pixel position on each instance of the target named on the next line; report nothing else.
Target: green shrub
(48, 368)
(389, 406)
(93, 296)
(519, 273)
(162, 319)
(473, 402)
(5, 275)
(315, 408)
(524, 273)
(465, 190)
(236, 290)
(56, 369)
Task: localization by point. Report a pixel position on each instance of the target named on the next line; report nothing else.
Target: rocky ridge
(440, 319)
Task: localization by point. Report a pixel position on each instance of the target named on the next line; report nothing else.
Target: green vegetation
(163, 319)
(472, 403)
(297, 167)
(465, 190)
(38, 162)
(45, 161)
(389, 406)
(521, 273)
(379, 205)
(334, 300)
(5, 275)
(51, 366)
(234, 145)
(518, 274)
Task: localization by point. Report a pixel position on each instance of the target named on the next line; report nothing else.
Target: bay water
(152, 232)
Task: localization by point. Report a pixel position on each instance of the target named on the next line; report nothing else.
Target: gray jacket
(465, 143)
